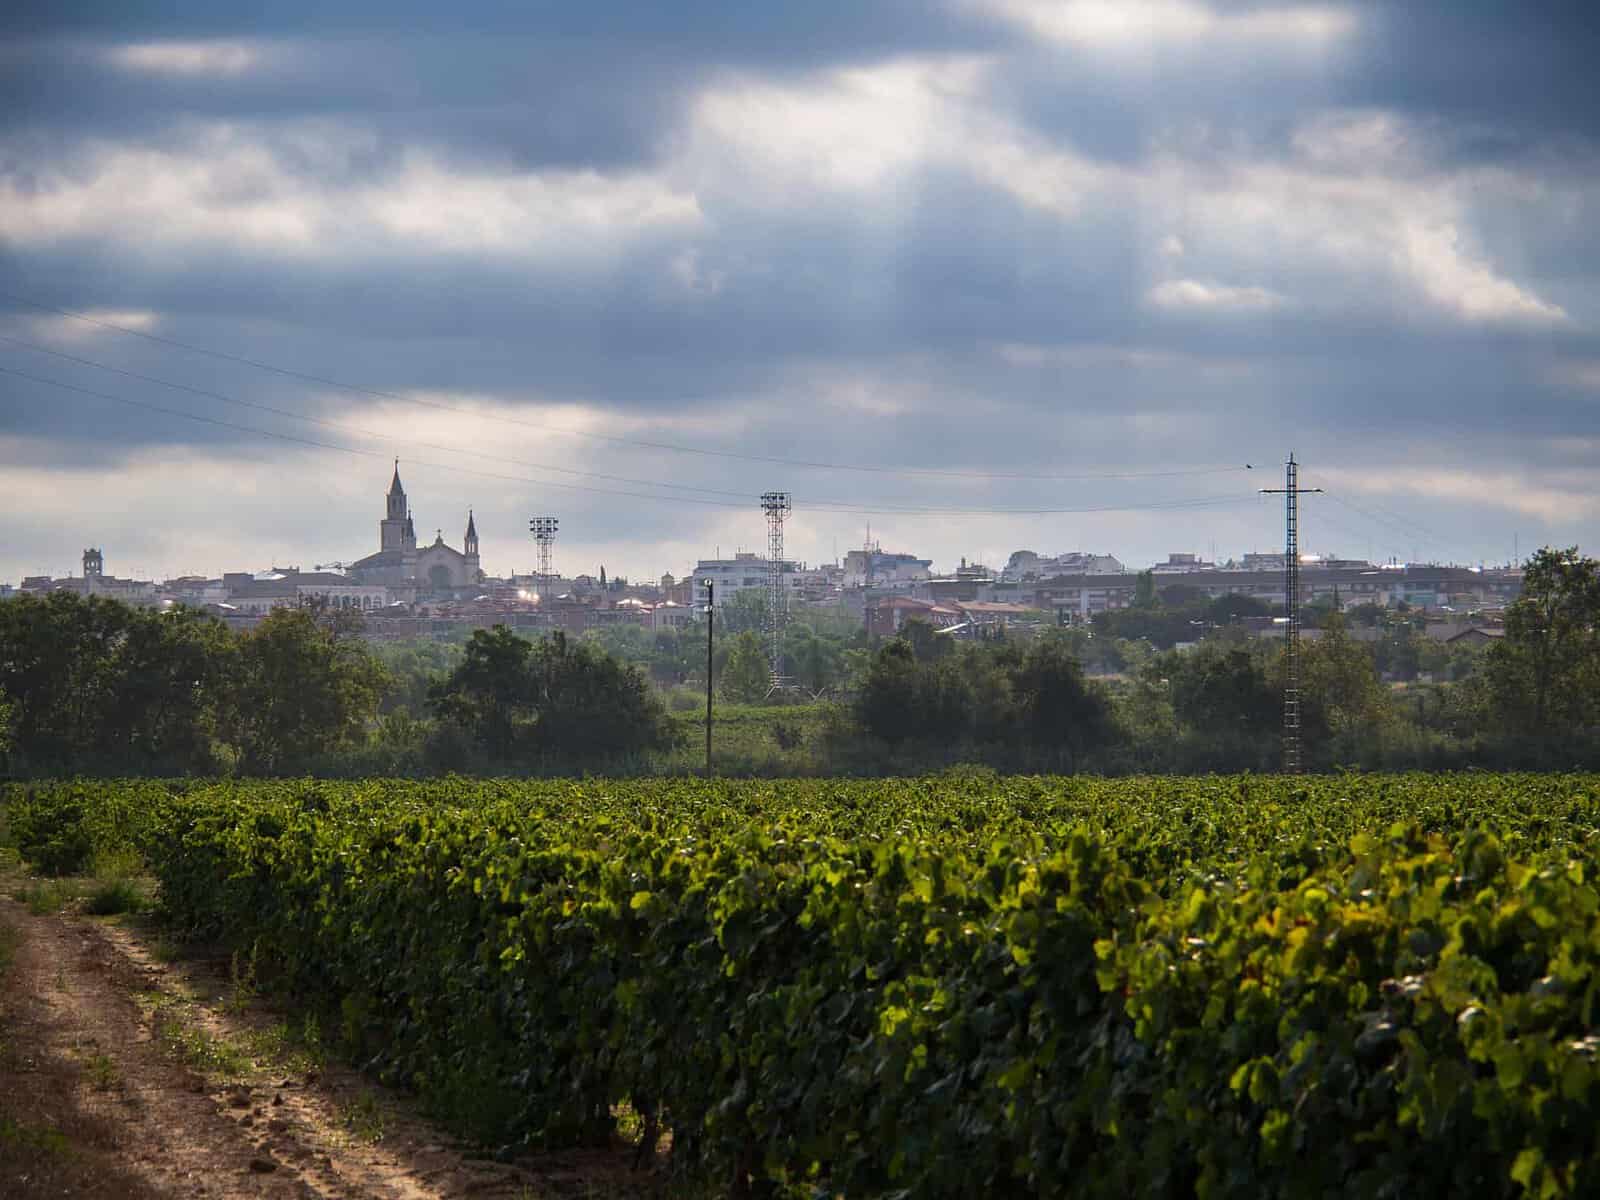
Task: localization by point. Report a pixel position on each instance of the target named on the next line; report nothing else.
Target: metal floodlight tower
(776, 505)
(544, 535)
(1291, 491)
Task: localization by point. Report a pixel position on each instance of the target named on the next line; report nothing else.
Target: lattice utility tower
(776, 506)
(1291, 491)
(544, 536)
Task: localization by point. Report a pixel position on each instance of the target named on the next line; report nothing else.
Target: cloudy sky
(985, 274)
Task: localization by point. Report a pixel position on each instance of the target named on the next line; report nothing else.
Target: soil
(125, 1072)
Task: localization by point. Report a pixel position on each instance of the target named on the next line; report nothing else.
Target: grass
(241, 982)
(363, 1117)
(116, 890)
(102, 1071)
(24, 1137)
(199, 1050)
(281, 1047)
(113, 897)
(48, 897)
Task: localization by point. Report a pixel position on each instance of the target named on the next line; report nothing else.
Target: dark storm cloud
(1504, 78)
(949, 311)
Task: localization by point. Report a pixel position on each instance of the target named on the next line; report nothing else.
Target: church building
(400, 564)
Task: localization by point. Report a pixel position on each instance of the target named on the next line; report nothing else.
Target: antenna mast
(1291, 492)
(776, 506)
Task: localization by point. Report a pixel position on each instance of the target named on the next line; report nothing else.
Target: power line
(829, 505)
(354, 429)
(289, 437)
(832, 506)
(541, 427)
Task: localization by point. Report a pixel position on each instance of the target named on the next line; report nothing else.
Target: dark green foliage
(1545, 674)
(96, 685)
(554, 699)
(300, 691)
(112, 897)
(985, 695)
(1242, 988)
(92, 682)
(1223, 689)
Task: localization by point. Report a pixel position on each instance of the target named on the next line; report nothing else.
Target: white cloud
(1388, 233)
(1559, 497)
(1119, 24)
(1132, 357)
(1457, 282)
(1198, 296)
(865, 129)
(54, 328)
(217, 58)
(228, 187)
(1359, 141)
(840, 129)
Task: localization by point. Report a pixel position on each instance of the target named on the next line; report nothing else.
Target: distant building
(867, 568)
(744, 571)
(1024, 565)
(399, 564)
(1420, 586)
(1183, 564)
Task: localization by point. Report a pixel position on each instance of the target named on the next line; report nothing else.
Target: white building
(874, 568)
(741, 573)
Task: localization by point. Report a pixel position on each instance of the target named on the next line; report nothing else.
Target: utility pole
(1291, 492)
(711, 618)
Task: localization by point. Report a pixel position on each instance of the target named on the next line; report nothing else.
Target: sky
(974, 275)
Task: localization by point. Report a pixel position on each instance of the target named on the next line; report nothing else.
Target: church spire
(470, 545)
(395, 488)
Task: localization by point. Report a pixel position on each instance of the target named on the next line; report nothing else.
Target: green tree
(172, 674)
(1341, 695)
(927, 644)
(1058, 709)
(885, 705)
(554, 699)
(1144, 591)
(591, 706)
(1219, 689)
(1544, 675)
(5, 728)
(490, 693)
(746, 676)
(300, 692)
(813, 659)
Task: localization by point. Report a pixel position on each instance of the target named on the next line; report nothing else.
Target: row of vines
(945, 987)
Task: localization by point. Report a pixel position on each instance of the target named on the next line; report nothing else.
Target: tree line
(94, 686)
(89, 686)
(1211, 700)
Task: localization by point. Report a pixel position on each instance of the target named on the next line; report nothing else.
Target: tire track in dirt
(97, 1040)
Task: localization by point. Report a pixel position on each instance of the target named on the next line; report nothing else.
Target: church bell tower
(469, 548)
(392, 528)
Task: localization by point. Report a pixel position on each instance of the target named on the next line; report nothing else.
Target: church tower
(392, 529)
(469, 548)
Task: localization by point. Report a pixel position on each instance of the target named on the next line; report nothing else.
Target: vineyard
(956, 986)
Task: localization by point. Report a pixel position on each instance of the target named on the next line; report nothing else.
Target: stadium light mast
(776, 505)
(544, 535)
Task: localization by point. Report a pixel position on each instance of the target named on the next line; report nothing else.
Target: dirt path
(122, 1074)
